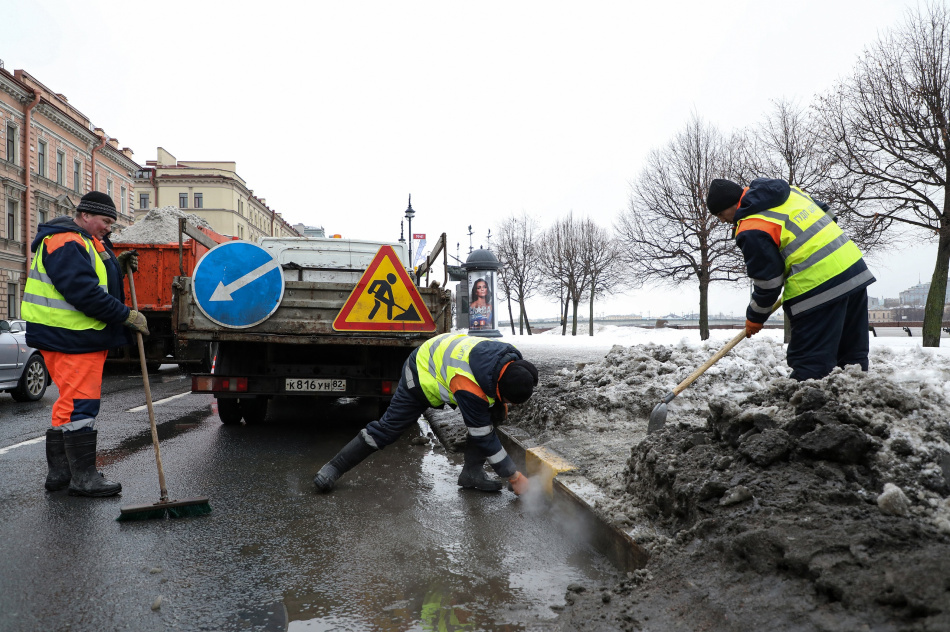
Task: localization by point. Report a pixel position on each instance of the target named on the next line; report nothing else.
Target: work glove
(137, 322)
(518, 483)
(128, 261)
(752, 329)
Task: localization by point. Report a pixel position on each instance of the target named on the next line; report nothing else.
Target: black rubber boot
(473, 474)
(58, 476)
(86, 480)
(345, 460)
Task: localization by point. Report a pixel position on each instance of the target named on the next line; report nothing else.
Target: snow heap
(159, 226)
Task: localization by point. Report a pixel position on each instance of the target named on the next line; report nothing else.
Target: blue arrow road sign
(238, 284)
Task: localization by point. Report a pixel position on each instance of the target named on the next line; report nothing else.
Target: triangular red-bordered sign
(384, 299)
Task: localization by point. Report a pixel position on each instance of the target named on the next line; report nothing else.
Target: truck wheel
(254, 410)
(229, 411)
(33, 382)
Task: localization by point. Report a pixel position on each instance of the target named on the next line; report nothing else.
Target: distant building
(211, 190)
(50, 156)
(310, 231)
(881, 315)
(917, 295)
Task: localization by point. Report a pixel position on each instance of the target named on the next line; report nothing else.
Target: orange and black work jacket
(793, 248)
(463, 371)
(73, 300)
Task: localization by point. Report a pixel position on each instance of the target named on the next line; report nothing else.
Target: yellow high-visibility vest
(441, 359)
(814, 248)
(42, 302)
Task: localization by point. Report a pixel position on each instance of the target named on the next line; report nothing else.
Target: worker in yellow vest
(73, 305)
(480, 377)
(794, 249)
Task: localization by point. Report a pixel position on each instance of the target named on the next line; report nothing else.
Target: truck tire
(254, 410)
(229, 411)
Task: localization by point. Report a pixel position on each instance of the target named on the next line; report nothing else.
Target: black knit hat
(517, 381)
(97, 203)
(722, 194)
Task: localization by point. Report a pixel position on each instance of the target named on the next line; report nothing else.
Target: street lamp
(409, 215)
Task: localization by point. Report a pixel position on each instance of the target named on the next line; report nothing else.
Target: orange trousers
(78, 376)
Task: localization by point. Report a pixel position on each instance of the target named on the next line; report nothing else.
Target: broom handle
(148, 397)
(713, 360)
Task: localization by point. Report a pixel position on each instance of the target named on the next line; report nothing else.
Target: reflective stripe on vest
(42, 302)
(441, 359)
(813, 246)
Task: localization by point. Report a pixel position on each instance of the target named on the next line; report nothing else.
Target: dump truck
(159, 265)
(347, 316)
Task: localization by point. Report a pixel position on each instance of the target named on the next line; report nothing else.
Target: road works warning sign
(385, 299)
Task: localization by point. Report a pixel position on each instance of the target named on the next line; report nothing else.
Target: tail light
(217, 384)
(388, 387)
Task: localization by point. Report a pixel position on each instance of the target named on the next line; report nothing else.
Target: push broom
(164, 507)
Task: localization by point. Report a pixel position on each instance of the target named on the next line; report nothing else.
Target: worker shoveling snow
(764, 503)
(159, 226)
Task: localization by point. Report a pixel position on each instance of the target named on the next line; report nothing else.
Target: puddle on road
(476, 562)
(166, 430)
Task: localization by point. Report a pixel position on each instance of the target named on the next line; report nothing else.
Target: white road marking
(11, 447)
(161, 401)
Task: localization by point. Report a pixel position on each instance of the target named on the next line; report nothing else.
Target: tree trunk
(511, 317)
(591, 319)
(933, 311)
(574, 304)
(703, 308)
(567, 305)
(524, 318)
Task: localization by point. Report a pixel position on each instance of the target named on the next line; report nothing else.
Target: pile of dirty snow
(159, 226)
(764, 503)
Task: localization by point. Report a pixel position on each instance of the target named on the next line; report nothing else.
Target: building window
(11, 143)
(11, 220)
(42, 210)
(199, 200)
(182, 200)
(13, 301)
(122, 196)
(95, 184)
(77, 178)
(109, 188)
(143, 200)
(41, 158)
(240, 231)
(60, 168)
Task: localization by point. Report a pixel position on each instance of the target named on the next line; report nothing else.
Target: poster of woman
(480, 309)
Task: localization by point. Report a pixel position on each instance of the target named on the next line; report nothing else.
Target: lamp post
(409, 215)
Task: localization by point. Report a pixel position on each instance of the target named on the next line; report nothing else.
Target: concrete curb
(573, 494)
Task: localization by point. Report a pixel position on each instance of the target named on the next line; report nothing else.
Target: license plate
(310, 386)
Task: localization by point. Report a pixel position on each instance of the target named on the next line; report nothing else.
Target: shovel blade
(657, 418)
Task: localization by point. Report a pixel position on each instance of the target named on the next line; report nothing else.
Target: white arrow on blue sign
(238, 284)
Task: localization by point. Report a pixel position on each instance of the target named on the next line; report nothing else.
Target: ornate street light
(409, 215)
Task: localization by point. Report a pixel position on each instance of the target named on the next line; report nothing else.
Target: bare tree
(517, 249)
(670, 238)
(888, 127)
(561, 256)
(601, 264)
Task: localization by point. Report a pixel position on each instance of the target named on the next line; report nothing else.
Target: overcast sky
(336, 111)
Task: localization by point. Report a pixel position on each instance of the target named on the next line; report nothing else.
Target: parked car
(23, 372)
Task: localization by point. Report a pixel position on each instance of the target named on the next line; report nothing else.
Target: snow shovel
(658, 416)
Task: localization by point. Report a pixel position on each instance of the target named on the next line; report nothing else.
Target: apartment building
(50, 156)
(210, 189)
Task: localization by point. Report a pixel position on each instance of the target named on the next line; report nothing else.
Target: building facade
(50, 156)
(211, 190)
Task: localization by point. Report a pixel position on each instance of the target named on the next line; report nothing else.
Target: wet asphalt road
(397, 546)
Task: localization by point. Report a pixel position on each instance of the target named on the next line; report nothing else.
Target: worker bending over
(789, 240)
(480, 377)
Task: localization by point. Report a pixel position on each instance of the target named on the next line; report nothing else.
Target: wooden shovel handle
(718, 356)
